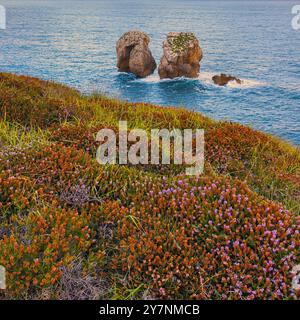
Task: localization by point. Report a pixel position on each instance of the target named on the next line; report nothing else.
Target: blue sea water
(73, 42)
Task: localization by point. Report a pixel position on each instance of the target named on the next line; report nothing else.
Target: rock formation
(134, 54)
(223, 79)
(181, 56)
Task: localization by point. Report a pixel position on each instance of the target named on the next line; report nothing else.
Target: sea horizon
(254, 41)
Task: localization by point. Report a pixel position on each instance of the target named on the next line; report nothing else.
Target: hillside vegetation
(73, 229)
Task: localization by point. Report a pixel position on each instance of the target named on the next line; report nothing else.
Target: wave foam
(206, 77)
(154, 78)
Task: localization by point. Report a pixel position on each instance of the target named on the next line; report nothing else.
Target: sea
(73, 42)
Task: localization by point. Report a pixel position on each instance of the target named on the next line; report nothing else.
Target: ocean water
(73, 42)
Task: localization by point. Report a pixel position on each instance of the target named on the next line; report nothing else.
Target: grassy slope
(70, 228)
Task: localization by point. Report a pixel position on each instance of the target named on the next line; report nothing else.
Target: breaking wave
(206, 78)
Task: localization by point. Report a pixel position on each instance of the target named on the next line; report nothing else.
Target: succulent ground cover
(72, 229)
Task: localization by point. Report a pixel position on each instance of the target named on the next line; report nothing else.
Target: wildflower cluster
(206, 239)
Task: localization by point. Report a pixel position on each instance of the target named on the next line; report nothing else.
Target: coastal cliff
(71, 229)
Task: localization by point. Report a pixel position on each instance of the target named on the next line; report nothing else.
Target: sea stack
(134, 55)
(223, 79)
(181, 56)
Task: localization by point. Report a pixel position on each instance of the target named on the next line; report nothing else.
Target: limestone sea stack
(181, 56)
(134, 55)
(223, 79)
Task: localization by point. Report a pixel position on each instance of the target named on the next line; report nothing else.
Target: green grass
(16, 136)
